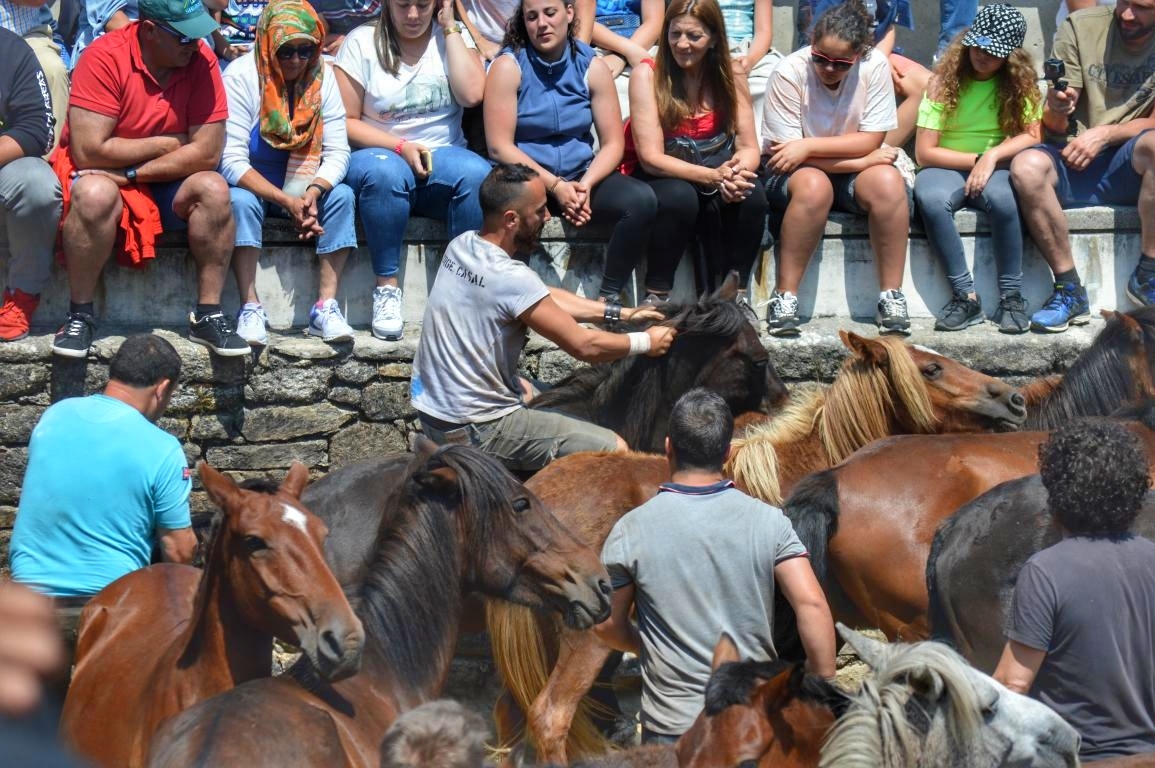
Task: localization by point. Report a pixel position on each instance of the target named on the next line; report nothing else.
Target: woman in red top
(706, 187)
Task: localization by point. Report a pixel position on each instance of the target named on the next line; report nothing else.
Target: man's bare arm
(177, 545)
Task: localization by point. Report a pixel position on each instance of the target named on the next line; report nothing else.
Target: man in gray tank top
(699, 559)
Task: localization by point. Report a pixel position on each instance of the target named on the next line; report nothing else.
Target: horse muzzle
(336, 651)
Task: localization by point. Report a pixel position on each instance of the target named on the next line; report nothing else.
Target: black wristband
(613, 312)
(318, 187)
(130, 175)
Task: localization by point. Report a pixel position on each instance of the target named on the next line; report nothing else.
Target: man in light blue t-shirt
(104, 483)
(699, 559)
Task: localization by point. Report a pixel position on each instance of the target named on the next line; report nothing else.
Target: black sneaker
(1011, 316)
(75, 336)
(782, 314)
(216, 332)
(960, 312)
(892, 315)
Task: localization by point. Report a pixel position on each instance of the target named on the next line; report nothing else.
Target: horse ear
(728, 291)
(295, 482)
(868, 350)
(220, 487)
(442, 481)
(873, 652)
(724, 652)
(1109, 314)
(423, 446)
(1131, 324)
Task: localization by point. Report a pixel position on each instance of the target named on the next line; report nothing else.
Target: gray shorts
(526, 440)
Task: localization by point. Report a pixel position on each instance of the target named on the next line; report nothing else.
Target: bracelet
(454, 30)
(556, 181)
(639, 343)
(318, 187)
(613, 312)
(400, 144)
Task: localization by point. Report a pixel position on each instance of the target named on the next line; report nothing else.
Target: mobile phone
(427, 160)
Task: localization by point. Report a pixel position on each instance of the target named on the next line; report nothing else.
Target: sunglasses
(838, 65)
(180, 39)
(304, 52)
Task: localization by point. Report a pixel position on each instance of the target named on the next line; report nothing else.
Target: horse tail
(813, 509)
(937, 612)
(524, 663)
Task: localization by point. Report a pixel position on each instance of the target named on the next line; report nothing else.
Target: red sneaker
(16, 313)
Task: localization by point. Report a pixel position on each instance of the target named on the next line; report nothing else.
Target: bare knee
(1143, 158)
(1032, 171)
(95, 200)
(880, 188)
(810, 189)
(207, 191)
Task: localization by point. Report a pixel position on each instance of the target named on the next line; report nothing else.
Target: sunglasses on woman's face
(305, 52)
(838, 65)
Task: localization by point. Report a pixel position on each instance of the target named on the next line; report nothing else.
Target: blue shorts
(1110, 179)
(163, 193)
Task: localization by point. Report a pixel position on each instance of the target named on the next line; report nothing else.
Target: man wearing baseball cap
(146, 124)
(1098, 148)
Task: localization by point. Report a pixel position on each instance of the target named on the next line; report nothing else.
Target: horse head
(759, 714)
(515, 549)
(924, 705)
(270, 548)
(930, 393)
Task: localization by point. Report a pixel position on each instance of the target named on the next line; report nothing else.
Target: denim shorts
(1109, 179)
(777, 192)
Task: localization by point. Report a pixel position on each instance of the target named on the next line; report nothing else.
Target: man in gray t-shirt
(1082, 627)
(699, 559)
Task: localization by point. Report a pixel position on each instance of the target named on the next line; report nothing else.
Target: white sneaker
(328, 322)
(251, 325)
(387, 322)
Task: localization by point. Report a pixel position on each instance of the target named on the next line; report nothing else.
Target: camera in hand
(1055, 70)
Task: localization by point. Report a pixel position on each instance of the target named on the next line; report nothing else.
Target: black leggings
(632, 205)
(730, 233)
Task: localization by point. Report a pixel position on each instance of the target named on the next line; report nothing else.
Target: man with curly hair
(1081, 634)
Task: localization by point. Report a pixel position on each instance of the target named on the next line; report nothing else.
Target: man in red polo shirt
(146, 118)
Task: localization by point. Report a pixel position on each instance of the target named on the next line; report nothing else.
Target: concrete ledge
(840, 283)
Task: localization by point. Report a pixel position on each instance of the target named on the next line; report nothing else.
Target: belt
(71, 602)
(439, 424)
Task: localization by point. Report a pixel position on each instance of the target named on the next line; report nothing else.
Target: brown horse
(883, 387)
(760, 714)
(456, 520)
(160, 639)
(868, 523)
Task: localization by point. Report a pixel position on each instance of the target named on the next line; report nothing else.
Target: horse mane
(1100, 380)
(854, 410)
(410, 599)
(877, 730)
(596, 388)
(734, 683)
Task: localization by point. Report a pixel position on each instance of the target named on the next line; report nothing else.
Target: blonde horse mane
(854, 410)
(876, 731)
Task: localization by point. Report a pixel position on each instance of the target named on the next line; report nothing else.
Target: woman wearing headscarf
(285, 155)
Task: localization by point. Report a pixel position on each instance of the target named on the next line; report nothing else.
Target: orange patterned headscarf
(281, 22)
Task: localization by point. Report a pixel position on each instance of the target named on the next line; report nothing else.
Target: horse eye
(747, 764)
(255, 543)
(520, 505)
(990, 710)
(932, 371)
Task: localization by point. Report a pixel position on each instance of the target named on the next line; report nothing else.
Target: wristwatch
(130, 175)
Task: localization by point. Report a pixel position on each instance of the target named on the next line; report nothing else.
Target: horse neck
(800, 729)
(410, 604)
(219, 638)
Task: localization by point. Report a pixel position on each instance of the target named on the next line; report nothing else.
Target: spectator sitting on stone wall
(438, 734)
(103, 482)
(285, 155)
(146, 125)
(29, 191)
(1100, 149)
(32, 20)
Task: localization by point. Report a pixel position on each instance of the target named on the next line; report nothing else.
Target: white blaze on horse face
(928, 350)
(293, 517)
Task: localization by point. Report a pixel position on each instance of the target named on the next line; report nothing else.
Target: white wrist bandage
(639, 343)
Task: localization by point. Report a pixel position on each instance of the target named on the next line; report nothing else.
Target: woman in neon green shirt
(982, 107)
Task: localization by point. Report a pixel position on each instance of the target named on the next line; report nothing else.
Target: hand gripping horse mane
(715, 348)
(883, 386)
(165, 637)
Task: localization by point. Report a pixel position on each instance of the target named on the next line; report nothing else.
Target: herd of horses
(368, 569)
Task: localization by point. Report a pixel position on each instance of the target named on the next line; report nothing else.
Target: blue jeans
(938, 193)
(955, 16)
(388, 193)
(334, 214)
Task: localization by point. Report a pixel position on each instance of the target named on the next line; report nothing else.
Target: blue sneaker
(1067, 306)
(1142, 293)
